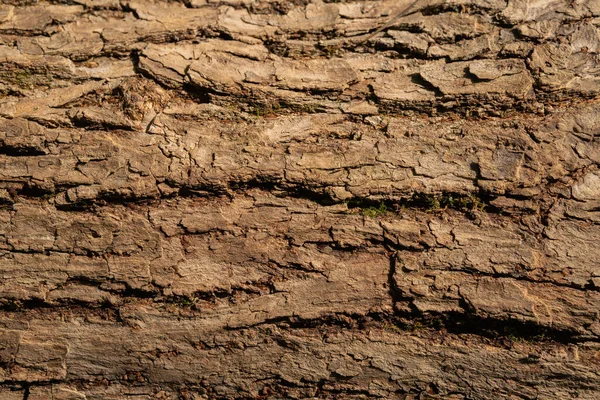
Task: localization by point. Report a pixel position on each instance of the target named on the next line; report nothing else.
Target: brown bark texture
(273, 199)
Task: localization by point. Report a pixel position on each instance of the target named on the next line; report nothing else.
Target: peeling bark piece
(558, 68)
(466, 49)
(536, 10)
(414, 42)
(500, 298)
(37, 19)
(448, 26)
(503, 77)
(588, 188)
(99, 117)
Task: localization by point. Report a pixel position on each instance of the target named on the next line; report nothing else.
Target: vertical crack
(392, 287)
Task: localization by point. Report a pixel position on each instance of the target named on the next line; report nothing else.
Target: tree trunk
(276, 199)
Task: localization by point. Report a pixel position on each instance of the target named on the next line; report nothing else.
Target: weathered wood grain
(299, 199)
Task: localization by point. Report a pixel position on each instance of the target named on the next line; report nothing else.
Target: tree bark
(299, 199)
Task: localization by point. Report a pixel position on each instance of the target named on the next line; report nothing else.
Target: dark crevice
(462, 8)
(134, 56)
(30, 189)
(126, 8)
(151, 292)
(316, 196)
(126, 292)
(419, 80)
(279, 189)
(492, 328)
(434, 202)
(467, 203)
(10, 305)
(105, 199)
(474, 78)
(199, 94)
(337, 320)
(90, 124)
(296, 266)
(503, 331)
(233, 295)
(20, 151)
(392, 287)
(199, 191)
(282, 189)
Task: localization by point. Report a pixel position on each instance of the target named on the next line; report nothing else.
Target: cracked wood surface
(299, 199)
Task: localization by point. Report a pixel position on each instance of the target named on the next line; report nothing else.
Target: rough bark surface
(299, 199)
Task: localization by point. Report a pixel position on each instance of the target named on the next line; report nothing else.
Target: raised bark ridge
(264, 199)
